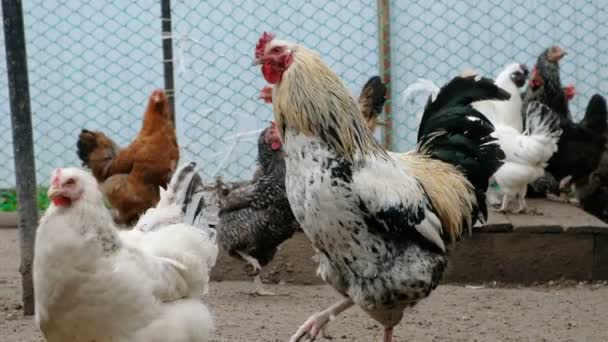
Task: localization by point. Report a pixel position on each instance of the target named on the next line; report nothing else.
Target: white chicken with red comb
(93, 282)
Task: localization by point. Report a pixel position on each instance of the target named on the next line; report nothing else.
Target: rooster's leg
(523, 206)
(388, 334)
(257, 280)
(316, 323)
(505, 204)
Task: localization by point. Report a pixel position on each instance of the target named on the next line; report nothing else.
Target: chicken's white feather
(139, 285)
(505, 113)
(526, 153)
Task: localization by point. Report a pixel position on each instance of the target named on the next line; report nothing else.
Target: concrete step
(562, 243)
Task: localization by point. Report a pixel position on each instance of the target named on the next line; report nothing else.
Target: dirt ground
(452, 313)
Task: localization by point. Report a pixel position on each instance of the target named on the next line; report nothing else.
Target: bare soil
(552, 312)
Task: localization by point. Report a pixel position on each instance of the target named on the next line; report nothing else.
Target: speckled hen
(255, 219)
(380, 238)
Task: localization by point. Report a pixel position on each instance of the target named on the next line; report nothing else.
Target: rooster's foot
(317, 323)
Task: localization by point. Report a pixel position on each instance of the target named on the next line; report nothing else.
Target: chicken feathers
(526, 153)
(376, 231)
(130, 286)
(371, 101)
(130, 177)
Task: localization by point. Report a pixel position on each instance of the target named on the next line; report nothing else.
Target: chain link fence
(217, 89)
(93, 64)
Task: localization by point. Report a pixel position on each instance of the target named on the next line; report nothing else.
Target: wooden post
(384, 45)
(165, 14)
(23, 143)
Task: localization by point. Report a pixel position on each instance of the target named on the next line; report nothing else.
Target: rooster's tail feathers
(456, 133)
(181, 202)
(541, 120)
(372, 97)
(186, 191)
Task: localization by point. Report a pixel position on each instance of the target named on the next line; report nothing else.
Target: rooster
(123, 286)
(130, 177)
(526, 153)
(255, 219)
(379, 237)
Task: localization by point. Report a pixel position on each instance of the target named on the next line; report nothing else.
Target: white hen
(526, 153)
(507, 113)
(94, 283)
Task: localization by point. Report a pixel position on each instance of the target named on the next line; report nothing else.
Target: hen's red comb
(56, 177)
(264, 39)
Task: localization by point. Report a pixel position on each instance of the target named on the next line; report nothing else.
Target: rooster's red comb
(264, 39)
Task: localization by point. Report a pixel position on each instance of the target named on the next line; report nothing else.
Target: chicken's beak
(256, 61)
(52, 192)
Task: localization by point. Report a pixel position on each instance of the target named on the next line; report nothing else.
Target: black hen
(255, 219)
(581, 144)
(592, 184)
(455, 133)
(545, 84)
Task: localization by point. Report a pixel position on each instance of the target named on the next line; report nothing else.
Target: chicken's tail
(542, 122)
(181, 202)
(596, 115)
(456, 133)
(96, 151)
(421, 86)
(371, 101)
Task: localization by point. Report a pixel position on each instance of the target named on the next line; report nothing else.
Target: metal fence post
(165, 14)
(23, 145)
(384, 46)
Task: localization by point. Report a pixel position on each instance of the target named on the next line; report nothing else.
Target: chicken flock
(135, 249)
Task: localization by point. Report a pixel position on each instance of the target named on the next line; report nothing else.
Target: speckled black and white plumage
(378, 237)
(551, 92)
(255, 219)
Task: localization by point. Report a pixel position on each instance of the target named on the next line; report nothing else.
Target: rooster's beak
(256, 61)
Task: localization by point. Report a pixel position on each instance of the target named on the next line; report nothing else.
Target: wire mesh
(93, 64)
(217, 88)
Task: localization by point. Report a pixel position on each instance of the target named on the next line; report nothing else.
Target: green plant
(8, 200)
(9, 203)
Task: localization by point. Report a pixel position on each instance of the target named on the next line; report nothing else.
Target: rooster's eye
(274, 50)
(70, 181)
